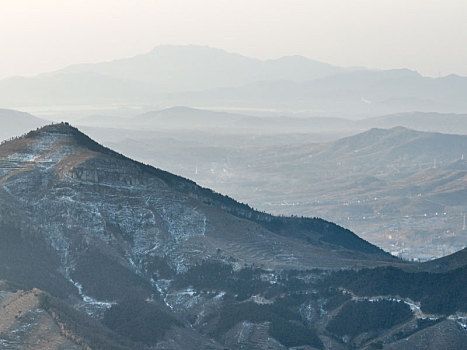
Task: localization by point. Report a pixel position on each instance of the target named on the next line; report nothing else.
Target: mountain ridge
(162, 262)
(208, 196)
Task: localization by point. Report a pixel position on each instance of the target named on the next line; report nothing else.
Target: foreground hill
(165, 263)
(401, 189)
(55, 164)
(64, 191)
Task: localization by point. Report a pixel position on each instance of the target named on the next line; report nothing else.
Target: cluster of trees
(80, 328)
(358, 317)
(26, 259)
(213, 275)
(438, 293)
(336, 300)
(285, 324)
(248, 281)
(421, 324)
(288, 292)
(139, 320)
(105, 278)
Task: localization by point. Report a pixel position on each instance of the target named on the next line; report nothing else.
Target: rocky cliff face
(106, 234)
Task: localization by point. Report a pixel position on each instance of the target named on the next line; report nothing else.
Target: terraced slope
(89, 203)
(159, 262)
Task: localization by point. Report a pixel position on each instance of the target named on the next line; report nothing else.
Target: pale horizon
(425, 36)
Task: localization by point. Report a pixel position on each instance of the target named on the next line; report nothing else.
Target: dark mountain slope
(311, 230)
(24, 256)
(401, 189)
(170, 265)
(444, 264)
(36, 320)
(129, 221)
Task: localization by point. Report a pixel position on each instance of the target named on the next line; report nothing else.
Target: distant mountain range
(201, 76)
(401, 189)
(430, 122)
(186, 118)
(166, 69)
(197, 68)
(128, 256)
(360, 93)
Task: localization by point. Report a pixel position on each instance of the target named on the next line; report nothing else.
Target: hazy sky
(425, 35)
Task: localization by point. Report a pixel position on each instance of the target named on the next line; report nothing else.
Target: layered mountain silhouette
(429, 122)
(127, 251)
(350, 94)
(196, 68)
(166, 69)
(202, 76)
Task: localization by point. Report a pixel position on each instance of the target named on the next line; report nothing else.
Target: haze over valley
(158, 260)
(401, 189)
(206, 77)
(261, 175)
(398, 188)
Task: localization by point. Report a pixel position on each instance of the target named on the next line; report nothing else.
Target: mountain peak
(63, 149)
(60, 128)
(66, 130)
(58, 138)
